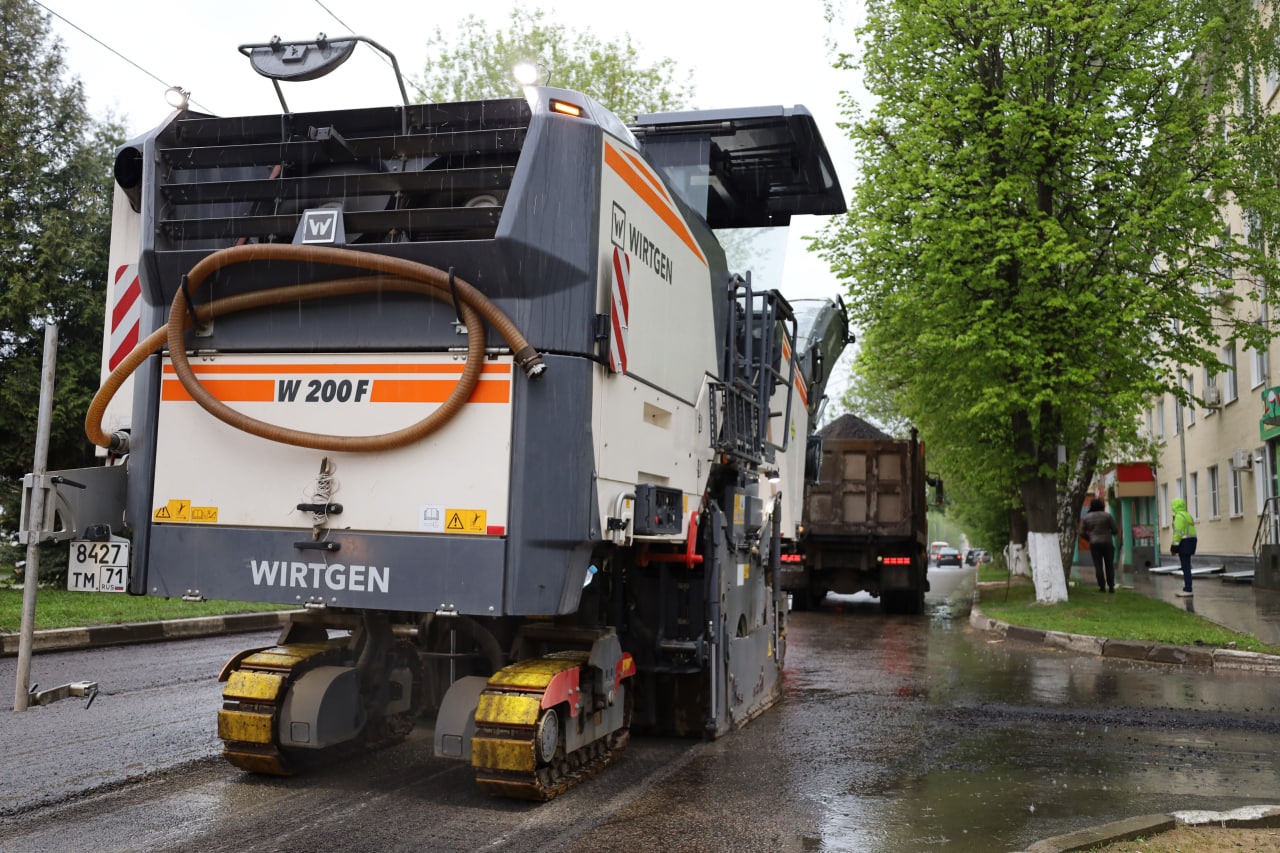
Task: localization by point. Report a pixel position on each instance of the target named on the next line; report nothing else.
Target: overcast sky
(740, 54)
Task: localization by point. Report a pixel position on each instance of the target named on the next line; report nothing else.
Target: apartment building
(1221, 456)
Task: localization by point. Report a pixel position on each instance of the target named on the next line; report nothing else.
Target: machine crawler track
(256, 687)
(258, 683)
(518, 749)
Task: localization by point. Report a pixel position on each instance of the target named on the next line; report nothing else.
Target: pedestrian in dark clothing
(1184, 541)
(1100, 529)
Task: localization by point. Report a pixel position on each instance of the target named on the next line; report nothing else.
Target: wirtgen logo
(323, 576)
(619, 235)
(634, 242)
(321, 225)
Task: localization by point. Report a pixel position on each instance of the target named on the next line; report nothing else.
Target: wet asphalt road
(895, 734)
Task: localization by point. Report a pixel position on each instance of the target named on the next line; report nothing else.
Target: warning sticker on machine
(434, 518)
(173, 511)
(183, 511)
(465, 521)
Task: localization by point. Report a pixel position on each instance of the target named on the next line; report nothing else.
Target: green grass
(57, 608)
(1126, 615)
(991, 572)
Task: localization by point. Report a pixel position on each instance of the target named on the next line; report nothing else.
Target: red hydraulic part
(689, 559)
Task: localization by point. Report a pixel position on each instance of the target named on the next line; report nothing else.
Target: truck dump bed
(863, 490)
(865, 520)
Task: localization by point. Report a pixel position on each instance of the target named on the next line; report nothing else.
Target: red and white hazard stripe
(126, 314)
(620, 313)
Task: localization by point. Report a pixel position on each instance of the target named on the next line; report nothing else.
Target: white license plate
(98, 566)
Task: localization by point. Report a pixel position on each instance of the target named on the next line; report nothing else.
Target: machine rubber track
(506, 750)
(256, 688)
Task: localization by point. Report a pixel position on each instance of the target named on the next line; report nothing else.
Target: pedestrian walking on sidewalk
(1100, 529)
(1184, 541)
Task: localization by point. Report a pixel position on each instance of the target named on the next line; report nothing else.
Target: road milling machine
(474, 387)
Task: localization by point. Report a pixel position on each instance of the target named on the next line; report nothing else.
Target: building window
(1160, 419)
(1215, 503)
(1237, 493)
(1257, 367)
(1193, 494)
(1190, 411)
(1164, 504)
(1229, 391)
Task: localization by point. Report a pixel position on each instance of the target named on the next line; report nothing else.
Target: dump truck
(476, 388)
(865, 520)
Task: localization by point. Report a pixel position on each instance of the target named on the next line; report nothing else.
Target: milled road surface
(895, 734)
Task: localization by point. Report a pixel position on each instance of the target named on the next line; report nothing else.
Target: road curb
(1224, 659)
(1247, 817)
(71, 639)
(1107, 833)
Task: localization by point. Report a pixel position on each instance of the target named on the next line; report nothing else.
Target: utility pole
(35, 521)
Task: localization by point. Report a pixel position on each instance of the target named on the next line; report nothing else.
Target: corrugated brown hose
(390, 275)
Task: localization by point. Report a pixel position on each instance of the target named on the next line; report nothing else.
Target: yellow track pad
(502, 754)
(244, 726)
(253, 686)
(508, 709)
(532, 674)
(284, 657)
(255, 763)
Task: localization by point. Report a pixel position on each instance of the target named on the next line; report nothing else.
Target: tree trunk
(1015, 555)
(1040, 498)
(1078, 479)
(1039, 490)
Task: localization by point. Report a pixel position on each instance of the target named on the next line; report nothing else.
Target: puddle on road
(951, 591)
(928, 734)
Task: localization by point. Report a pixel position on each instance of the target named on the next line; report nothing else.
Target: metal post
(31, 573)
(1181, 424)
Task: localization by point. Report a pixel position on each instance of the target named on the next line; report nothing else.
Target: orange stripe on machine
(455, 369)
(649, 189)
(801, 388)
(339, 383)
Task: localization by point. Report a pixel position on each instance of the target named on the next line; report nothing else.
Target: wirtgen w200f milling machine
(472, 385)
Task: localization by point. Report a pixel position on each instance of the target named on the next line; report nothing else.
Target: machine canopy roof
(744, 168)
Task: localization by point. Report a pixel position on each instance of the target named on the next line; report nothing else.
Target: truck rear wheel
(810, 598)
(903, 602)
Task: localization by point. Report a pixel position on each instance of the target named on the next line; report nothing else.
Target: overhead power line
(351, 31)
(100, 42)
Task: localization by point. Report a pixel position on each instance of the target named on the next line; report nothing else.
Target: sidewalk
(1242, 607)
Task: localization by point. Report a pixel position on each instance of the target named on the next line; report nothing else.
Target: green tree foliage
(873, 397)
(54, 220)
(475, 63)
(1037, 232)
